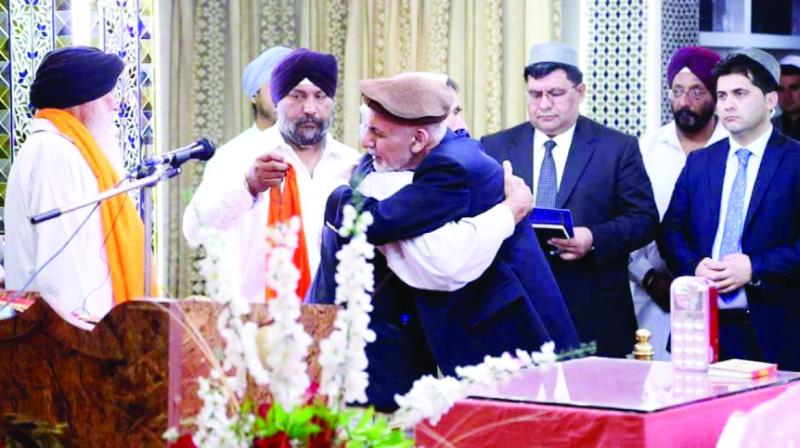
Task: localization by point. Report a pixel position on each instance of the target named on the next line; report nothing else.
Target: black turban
(74, 75)
(321, 69)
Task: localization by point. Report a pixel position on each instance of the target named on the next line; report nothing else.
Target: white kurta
(449, 257)
(50, 172)
(663, 160)
(223, 202)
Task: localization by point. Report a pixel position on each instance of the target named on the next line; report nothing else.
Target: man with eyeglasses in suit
(597, 173)
(664, 150)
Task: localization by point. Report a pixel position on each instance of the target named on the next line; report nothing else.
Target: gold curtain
(481, 44)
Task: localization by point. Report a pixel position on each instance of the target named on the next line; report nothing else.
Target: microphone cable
(28, 282)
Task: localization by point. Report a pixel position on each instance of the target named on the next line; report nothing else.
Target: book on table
(551, 223)
(743, 369)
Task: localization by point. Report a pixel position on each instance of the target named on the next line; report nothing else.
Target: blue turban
(321, 69)
(259, 70)
(74, 75)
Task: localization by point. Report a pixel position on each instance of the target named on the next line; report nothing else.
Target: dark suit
(770, 237)
(514, 304)
(605, 186)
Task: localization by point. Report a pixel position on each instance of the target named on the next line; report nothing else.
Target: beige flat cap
(408, 98)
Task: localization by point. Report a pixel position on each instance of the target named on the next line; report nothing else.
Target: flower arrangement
(301, 413)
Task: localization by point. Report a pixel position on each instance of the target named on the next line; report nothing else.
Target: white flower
(284, 339)
(429, 397)
(342, 358)
(547, 355)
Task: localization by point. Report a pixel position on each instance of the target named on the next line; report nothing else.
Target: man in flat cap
(693, 102)
(417, 329)
(789, 97)
(455, 120)
(572, 162)
(286, 170)
(734, 217)
(70, 155)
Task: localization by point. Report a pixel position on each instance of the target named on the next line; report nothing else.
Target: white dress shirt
(224, 203)
(663, 160)
(50, 172)
(449, 257)
(756, 148)
(560, 153)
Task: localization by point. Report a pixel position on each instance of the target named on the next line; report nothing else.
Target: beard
(295, 132)
(692, 122)
(103, 127)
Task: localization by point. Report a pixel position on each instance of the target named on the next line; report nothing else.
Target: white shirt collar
(756, 147)
(563, 140)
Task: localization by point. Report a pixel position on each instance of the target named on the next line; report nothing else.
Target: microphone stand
(153, 176)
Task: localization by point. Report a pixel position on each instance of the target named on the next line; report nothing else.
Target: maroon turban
(699, 60)
(321, 69)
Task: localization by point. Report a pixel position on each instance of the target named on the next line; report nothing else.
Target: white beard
(103, 128)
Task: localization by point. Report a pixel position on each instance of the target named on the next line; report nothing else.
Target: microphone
(202, 149)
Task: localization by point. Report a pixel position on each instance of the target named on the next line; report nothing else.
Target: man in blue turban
(298, 155)
(256, 85)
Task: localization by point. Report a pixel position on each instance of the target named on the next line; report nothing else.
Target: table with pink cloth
(601, 402)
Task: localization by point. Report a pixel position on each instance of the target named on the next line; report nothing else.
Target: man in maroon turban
(692, 97)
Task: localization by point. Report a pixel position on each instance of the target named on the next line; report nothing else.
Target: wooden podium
(121, 384)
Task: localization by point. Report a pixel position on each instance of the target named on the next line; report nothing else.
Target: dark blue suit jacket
(771, 237)
(514, 304)
(605, 186)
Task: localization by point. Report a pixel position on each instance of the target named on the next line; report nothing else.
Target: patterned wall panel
(276, 24)
(680, 22)
(120, 36)
(337, 37)
(209, 85)
(31, 38)
(617, 54)
(5, 101)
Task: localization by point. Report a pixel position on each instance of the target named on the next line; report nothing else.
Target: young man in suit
(734, 217)
(597, 173)
(514, 303)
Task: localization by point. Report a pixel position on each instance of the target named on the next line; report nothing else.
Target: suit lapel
(772, 158)
(520, 153)
(716, 176)
(579, 154)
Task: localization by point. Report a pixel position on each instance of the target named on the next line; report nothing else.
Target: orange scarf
(282, 206)
(122, 228)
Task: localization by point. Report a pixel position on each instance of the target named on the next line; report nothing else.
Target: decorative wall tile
(5, 101)
(680, 22)
(31, 38)
(617, 55)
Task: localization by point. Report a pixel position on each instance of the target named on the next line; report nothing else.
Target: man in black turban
(71, 154)
(74, 75)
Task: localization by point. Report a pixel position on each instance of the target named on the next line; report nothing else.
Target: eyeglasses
(695, 93)
(554, 95)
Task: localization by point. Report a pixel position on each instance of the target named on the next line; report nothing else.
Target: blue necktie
(547, 187)
(734, 216)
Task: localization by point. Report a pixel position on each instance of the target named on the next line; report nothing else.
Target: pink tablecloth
(582, 419)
